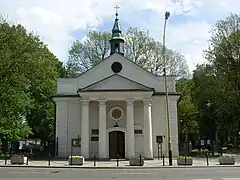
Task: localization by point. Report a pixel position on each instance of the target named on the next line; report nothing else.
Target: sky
(60, 22)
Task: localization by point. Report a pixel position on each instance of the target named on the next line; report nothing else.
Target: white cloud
(190, 39)
(55, 20)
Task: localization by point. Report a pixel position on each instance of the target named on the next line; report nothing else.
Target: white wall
(138, 124)
(74, 124)
(174, 124)
(159, 124)
(62, 126)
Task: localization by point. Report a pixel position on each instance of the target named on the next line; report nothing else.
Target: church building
(116, 108)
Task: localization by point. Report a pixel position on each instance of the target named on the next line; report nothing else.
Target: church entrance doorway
(116, 144)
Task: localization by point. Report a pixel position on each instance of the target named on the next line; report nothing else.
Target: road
(218, 173)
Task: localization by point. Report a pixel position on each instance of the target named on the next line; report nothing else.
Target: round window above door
(116, 113)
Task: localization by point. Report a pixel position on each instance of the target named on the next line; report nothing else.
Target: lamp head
(167, 14)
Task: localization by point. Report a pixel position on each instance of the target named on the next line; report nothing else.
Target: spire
(116, 30)
(116, 41)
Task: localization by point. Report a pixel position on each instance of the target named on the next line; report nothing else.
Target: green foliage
(217, 84)
(28, 72)
(13, 129)
(187, 109)
(183, 157)
(139, 47)
(75, 157)
(84, 55)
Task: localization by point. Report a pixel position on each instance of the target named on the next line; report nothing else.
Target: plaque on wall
(94, 138)
(76, 142)
(159, 139)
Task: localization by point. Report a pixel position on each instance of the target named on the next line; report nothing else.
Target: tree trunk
(4, 147)
(186, 144)
(229, 136)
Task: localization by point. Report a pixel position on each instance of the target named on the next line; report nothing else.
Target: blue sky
(59, 23)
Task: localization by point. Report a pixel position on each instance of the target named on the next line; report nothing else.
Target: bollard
(185, 159)
(163, 160)
(94, 160)
(117, 160)
(49, 160)
(207, 159)
(161, 151)
(140, 160)
(27, 160)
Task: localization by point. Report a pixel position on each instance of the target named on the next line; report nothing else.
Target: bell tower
(117, 42)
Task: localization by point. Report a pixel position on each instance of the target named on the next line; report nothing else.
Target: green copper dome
(116, 30)
(117, 42)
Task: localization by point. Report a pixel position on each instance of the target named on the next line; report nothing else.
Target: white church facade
(115, 109)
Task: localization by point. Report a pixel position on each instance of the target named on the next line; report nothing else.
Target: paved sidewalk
(197, 162)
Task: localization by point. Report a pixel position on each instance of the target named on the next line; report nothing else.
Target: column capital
(130, 101)
(85, 102)
(147, 101)
(102, 102)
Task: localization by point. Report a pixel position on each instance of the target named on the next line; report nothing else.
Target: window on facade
(95, 131)
(94, 138)
(116, 113)
(138, 131)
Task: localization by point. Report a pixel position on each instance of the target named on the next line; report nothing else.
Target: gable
(115, 82)
(103, 71)
(129, 70)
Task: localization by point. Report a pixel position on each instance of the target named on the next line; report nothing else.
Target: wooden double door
(116, 144)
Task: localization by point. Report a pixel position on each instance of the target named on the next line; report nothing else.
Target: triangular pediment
(104, 70)
(116, 82)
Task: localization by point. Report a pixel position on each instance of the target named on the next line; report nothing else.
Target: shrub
(75, 157)
(188, 157)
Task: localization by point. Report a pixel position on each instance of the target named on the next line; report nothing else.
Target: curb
(129, 167)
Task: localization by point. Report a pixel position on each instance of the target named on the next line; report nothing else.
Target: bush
(75, 157)
(188, 157)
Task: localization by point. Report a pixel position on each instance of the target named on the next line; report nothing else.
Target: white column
(147, 131)
(102, 143)
(85, 129)
(130, 129)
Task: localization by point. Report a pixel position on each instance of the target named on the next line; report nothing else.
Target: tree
(205, 93)
(139, 47)
(84, 55)
(216, 84)
(28, 72)
(187, 110)
(224, 56)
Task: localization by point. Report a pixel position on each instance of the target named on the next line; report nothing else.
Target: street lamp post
(167, 14)
(211, 125)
